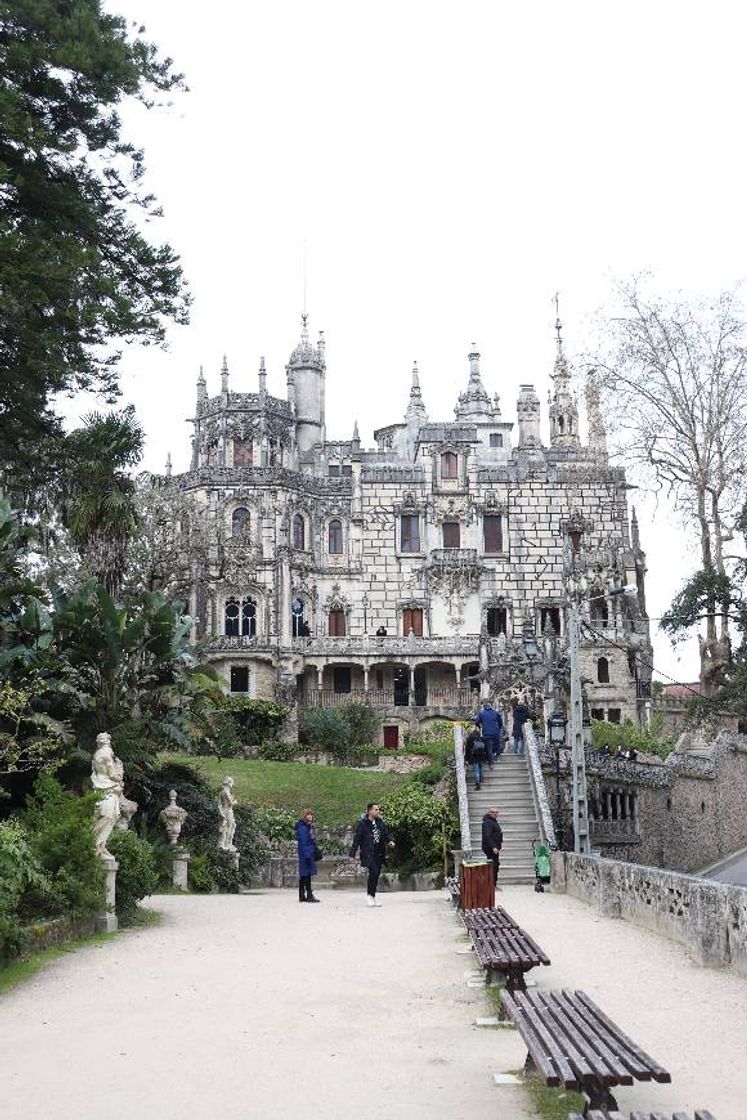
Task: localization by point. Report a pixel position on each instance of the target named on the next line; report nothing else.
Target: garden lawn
(339, 794)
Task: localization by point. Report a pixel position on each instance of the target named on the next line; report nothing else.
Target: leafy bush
(278, 752)
(438, 731)
(137, 876)
(274, 824)
(650, 740)
(362, 723)
(257, 720)
(323, 728)
(60, 827)
(338, 729)
(417, 820)
(25, 890)
(356, 756)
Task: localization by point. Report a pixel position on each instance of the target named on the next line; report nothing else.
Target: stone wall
(709, 919)
(690, 809)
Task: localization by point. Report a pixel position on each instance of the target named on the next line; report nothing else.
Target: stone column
(106, 921)
(365, 678)
(179, 866)
(411, 697)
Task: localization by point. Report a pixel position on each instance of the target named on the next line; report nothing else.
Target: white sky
(449, 166)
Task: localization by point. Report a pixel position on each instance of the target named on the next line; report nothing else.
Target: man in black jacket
(492, 840)
(373, 838)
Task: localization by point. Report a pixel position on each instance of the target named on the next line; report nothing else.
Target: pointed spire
(635, 535)
(474, 404)
(224, 375)
(356, 433)
(262, 376)
(168, 464)
(416, 413)
(201, 386)
(563, 408)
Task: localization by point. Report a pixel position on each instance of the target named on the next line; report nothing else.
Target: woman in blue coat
(307, 854)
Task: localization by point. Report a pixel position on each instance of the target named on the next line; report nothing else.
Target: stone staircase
(508, 786)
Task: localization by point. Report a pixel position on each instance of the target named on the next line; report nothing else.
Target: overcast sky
(449, 167)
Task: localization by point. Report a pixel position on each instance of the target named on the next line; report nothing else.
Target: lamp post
(556, 726)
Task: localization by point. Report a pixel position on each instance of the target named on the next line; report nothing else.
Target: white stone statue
(227, 828)
(106, 777)
(172, 818)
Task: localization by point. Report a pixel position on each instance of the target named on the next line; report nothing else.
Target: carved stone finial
(168, 464)
(172, 818)
(224, 375)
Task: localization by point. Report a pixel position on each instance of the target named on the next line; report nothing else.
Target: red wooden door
(391, 737)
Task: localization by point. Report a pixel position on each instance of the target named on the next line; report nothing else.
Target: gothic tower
(306, 373)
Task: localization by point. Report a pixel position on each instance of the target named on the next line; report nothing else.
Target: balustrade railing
(450, 698)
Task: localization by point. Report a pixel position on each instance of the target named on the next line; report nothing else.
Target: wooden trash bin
(476, 887)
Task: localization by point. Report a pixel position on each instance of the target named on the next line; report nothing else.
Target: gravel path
(254, 1006)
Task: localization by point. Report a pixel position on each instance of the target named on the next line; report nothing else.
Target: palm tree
(98, 506)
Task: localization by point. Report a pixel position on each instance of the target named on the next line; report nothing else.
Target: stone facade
(684, 813)
(455, 538)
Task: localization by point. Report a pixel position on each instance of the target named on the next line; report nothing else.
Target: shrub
(278, 752)
(325, 729)
(137, 875)
(273, 824)
(257, 720)
(25, 890)
(200, 875)
(362, 723)
(438, 731)
(650, 740)
(417, 820)
(61, 839)
(356, 756)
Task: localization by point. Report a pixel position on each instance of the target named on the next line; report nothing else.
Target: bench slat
(655, 1070)
(543, 1049)
(602, 1043)
(603, 1062)
(536, 1051)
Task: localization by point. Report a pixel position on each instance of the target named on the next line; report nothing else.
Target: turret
(306, 369)
(416, 413)
(563, 409)
(475, 405)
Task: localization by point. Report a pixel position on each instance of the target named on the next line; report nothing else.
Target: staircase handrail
(461, 783)
(539, 787)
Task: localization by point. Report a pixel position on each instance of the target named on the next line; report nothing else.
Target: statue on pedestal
(172, 818)
(227, 827)
(107, 776)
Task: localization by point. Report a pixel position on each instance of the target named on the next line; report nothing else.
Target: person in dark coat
(492, 840)
(372, 838)
(491, 727)
(521, 715)
(307, 855)
(474, 755)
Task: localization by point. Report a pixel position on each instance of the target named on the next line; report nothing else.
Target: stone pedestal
(179, 867)
(106, 921)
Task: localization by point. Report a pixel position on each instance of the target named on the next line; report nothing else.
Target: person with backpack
(475, 755)
(491, 728)
(492, 840)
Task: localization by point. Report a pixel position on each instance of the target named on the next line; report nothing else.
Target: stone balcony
(389, 647)
(453, 558)
(456, 702)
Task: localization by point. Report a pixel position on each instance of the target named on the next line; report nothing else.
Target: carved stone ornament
(172, 818)
(227, 820)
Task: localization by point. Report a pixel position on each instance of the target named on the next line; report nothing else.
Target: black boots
(304, 890)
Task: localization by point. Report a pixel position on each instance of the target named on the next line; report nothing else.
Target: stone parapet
(708, 918)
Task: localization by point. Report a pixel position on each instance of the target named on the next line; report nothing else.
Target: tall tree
(674, 375)
(78, 277)
(98, 506)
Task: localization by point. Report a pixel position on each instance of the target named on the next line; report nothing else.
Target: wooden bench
(572, 1043)
(495, 918)
(595, 1114)
(502, 946)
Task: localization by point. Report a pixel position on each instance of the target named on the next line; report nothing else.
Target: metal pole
(581, 842)
(558, 801)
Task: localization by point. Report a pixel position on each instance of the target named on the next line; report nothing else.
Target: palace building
(423, 573)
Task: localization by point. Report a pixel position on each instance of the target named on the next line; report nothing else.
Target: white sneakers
(371, 901)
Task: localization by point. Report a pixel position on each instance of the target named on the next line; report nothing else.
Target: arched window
(561, 424)
(449, 465)
(240, 521)
(299, 625)
(603, 670)
(299, 532)
(335, 537)
(248, 618)
(232, 614)
(337, 622)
